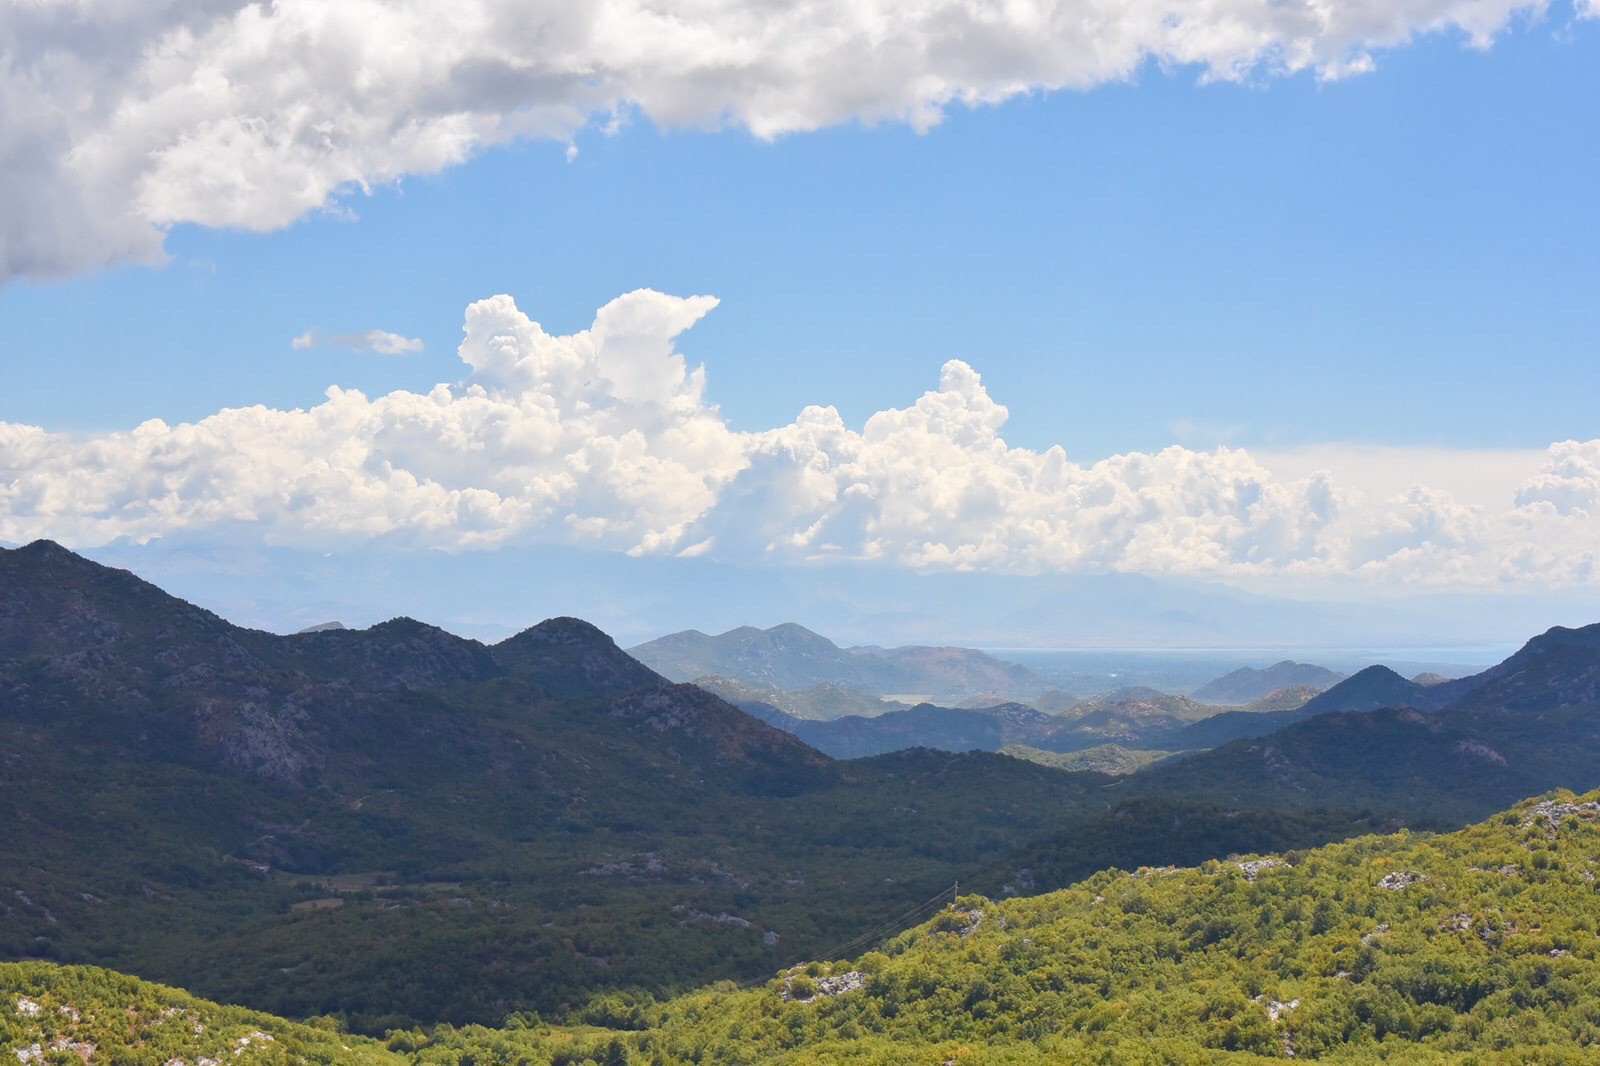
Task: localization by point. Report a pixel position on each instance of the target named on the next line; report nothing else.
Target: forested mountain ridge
(1481, 945)
(1557, 668)
(1366, 690)
(1140, 717)
(408, 827)
(334, 820)
(922, 726)
(79, 616)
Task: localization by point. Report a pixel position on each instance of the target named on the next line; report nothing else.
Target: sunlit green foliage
(74, 1014)
(1481, 946)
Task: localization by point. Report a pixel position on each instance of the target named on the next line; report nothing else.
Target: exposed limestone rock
(1254, 868)
(1553, 812)
(810, 990)
(1400, 879)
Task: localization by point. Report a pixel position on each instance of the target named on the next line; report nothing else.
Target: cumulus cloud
(602, 436)
(606, 438)
(118, 120)
(1569, 484)
(379, 341)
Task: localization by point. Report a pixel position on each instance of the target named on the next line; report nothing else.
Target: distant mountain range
(791, 658)
(406, 827)
(1551, 670)
(922, 726)
(1135, 716)
(1366, 690)
(822, 703)
(1457, 747)
(637, 598)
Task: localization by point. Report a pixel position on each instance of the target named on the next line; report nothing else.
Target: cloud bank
(119, 120)
(606, 439)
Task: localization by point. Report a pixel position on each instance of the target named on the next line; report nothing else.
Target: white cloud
(605, 438)
(1484, 477)
(935, 485)
(1569, 482)
(601, 436)
(379, 341)
(118, 119)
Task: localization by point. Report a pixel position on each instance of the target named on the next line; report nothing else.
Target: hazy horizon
(1226, 327)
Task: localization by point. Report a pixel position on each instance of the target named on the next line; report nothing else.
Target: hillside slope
(1247, 684)
(1476, 946)
(411, 827)
(1417, 949)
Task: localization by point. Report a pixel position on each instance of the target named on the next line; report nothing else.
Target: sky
(673, 315)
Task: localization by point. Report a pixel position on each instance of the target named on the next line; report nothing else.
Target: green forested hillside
(405, 828)
(1476, 946)
(77, 1014)
(1479, 946)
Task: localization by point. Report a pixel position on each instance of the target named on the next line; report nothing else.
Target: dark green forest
(1478, 946)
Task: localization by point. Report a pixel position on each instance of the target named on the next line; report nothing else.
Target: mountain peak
(792, 636)
(44, 547)
(1560, 636)
(1366, 690)
(58, 602)
(566, 629)
(49, 556)
(569, 657)
(1248, 684)
(794, 629)
(1374, 674)
(401, 651)
(1559, 667)
(403, 624)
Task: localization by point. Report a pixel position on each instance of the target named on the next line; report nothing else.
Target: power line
(913, 915)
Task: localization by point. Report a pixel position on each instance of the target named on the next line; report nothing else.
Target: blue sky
(1387, 277)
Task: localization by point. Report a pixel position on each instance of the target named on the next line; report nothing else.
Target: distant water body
(1485, 654)
(1088, 670)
